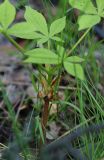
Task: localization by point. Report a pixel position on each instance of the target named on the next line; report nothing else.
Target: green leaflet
(84, 5)
(72, 67)
(57, 26)
(87, 21)
(36, 19)
(42, 56)
(57, 39)
(22, 30)
(60, 50)
(31, 35)
(61, 53)
(75, 70)
(43, 40)
(100, 6)
(7, 14)
(74, 59)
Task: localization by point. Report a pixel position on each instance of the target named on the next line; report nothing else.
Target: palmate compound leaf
(87, 21)
(7, 14)
(100, 6)
(42, 56)
(84, 5)
(91, 16)
(74, 69)
(37, 19)
(57, 26)
(23, 30)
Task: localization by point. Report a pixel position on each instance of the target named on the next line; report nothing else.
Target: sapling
(35, 27)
